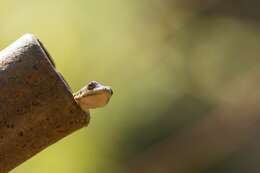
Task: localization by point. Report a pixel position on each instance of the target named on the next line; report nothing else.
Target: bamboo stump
(37, 107)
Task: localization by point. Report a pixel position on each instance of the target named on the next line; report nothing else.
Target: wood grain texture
(37, 107)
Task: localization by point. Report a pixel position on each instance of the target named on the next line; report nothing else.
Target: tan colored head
(94, 95)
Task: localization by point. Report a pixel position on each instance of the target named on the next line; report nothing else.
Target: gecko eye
(92, 85)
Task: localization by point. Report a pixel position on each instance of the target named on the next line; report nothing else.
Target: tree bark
(37, 107)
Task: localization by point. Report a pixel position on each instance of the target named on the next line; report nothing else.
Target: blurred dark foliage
(242, 9)
(189, 110)
(145, 142)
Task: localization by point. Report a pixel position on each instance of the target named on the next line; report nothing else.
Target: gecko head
(94, 95)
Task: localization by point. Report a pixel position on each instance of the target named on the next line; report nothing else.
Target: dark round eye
(92, 85)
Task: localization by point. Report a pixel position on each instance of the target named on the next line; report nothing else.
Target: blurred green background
(184, 74)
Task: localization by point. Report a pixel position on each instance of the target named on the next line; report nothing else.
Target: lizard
(93, 95)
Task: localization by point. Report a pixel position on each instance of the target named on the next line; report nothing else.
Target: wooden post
(37, 107)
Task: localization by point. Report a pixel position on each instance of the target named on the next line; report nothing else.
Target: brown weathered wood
(37, 107)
